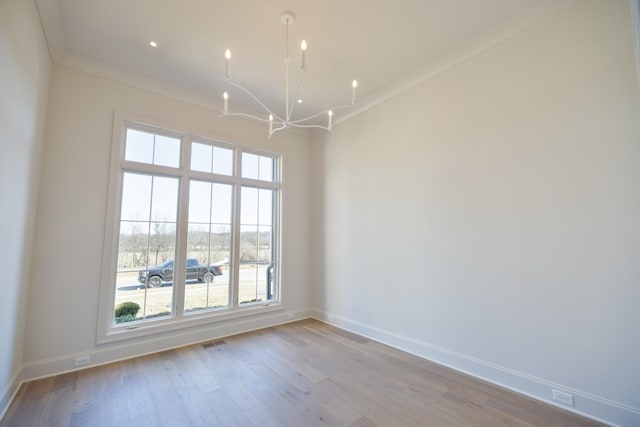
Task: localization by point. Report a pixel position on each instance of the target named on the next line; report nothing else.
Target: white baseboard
(588, 405)
(9, 392)
(164, 341)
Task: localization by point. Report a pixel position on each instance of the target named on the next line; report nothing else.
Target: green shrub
(126, 309)
(125, 318)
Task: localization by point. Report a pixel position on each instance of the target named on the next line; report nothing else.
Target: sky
(155, 198)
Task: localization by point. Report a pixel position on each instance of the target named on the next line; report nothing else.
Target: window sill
(151, 327)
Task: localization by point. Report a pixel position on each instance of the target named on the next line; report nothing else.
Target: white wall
(24, 87)
(488, 218)
(64, 294)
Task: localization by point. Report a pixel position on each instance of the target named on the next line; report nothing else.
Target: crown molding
(101, 69)
(491, 38)
(51, 21)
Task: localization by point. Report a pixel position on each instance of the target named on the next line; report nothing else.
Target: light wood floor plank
(301, 374)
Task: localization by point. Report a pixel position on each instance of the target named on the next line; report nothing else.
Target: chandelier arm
(337, 107)
(272, 131)
(249, 116)
(255, 98)
(311, 126)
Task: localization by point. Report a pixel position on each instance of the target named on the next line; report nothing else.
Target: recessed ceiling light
(299, 101)
(153, 44)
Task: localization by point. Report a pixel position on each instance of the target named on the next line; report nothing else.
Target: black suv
(155, 276)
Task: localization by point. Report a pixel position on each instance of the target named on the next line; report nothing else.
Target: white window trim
(107, 332)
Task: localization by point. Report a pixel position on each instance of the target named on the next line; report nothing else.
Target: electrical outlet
(290, 315)
(82, 360)
(330, 317)
(563, 397)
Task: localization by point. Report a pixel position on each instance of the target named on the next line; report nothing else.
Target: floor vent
(213, 343)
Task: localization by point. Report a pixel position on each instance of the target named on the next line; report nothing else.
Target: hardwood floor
(305, 373)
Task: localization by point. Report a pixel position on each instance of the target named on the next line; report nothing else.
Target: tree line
(138, 248)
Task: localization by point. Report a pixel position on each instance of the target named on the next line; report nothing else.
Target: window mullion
(180, 279)
(275, 242)
(237, 187)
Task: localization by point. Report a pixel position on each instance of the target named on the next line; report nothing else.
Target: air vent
(213, 343)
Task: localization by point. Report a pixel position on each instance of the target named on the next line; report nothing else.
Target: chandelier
(275, 121)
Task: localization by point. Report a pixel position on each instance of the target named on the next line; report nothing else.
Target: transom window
(194, 230)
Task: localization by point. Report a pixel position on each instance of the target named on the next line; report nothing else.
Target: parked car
(155, 276)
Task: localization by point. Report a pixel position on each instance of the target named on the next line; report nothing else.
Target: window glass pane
(248, 244)
(257, 167)
(222, 161)
(201, 157)
(250, 166)
(208, 251)
(133, 254)
(220, 242)
(162, 242)
(136, 196)
(266, 168)
(256, 245)
(264, 244)
(265, 207)
(150, 148)
(255, 264)
(167, 151)
(200, 202)
(164, 203)
(249, 206)
(139, 146)
(207, 158)
(208, 247)
(146, 248)
(221, 209)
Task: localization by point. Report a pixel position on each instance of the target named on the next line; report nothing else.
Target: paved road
(129, 281)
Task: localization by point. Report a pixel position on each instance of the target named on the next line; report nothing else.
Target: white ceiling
(386, 45)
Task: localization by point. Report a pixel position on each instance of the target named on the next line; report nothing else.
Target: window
(192, 232)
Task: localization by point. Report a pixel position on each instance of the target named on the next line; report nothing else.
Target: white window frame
(110, 332)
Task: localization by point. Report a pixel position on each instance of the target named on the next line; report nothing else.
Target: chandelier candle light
(275, 121)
